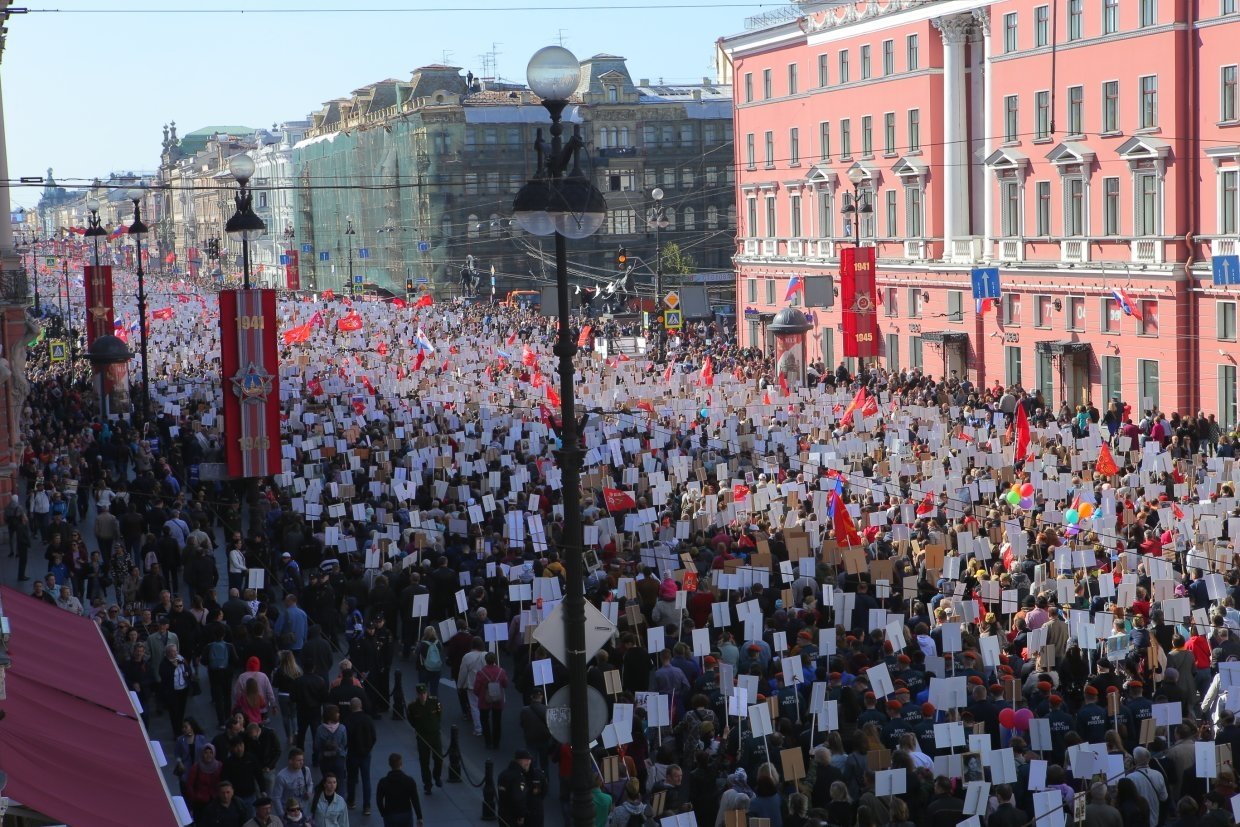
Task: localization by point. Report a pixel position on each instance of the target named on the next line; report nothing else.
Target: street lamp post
(855, 203)
(349, 233)
(244, 222)
(569, 206)
(94, 231)
(34, 274)
(137, 229)
(657, 221)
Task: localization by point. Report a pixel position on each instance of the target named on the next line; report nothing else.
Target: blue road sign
(424, 246)
(324, 256)
(422, 280)
(363, 252)
(1226, 269)
(284, 259)
(307, 248)
(357, 279)
(985, 282)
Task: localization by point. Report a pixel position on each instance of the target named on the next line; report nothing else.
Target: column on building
(955, 174)
(982, 19)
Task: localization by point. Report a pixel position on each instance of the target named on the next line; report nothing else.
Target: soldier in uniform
(425, 715)
(1091, 720)
(1135, 710)
(513, 788)
(1061, 724)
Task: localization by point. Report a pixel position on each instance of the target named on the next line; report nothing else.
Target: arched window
(495, 225)
(690, 219)
(712, 218)
(624, 137)
(471, 226)
(613, 94)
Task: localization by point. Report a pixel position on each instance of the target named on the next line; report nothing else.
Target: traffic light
(622, 259)
(408, 288)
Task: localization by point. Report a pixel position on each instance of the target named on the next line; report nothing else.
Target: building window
(669, 176)
(1147, 383)
(1076, 110)
(845, 139)
(911, 47)
(1147, 325)
(1009, 32)
(688, 179)
(891, 298)
(914, 130)
(955, 305)
(890, 204)
(824, 70)
(1146, 215)
(766, 84)
(1227, 92)
(1229, 201)
(1041, 25)
(771, 226)
(712, 217)
(770, 291)
(844, 66)
(1110, 206)
(914, 352)
(1227, 397)
(1042, 112)
(1111, 387)
(751, 291)
(1111, 315)
(794, 147)
(865, 62)
(749, 151)
(1044, 208)
(712, 176)
(1042, 308)
(792, 78)
(1229, 7)
(893, 351)
(824, 141)
(1010, 217)
(751, 215)
(749, 87)
(1149, 13)
(1011, 309)
(889, 133)
(889, 57)
(1011, 361)
(1226, 321)
(769, 145)
(1149, 101)
(826, 215)
(1110, 106)
(1075, 13)
(669, 215)
(1074, 207)
(1011, 125)
(794, 212)
(1076, 313)
(1110, 16)
(914, 302)
(867, 136)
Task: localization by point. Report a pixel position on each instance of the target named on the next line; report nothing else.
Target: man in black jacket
(225, 811)
(397, 796)
(362, 737)
(512, 786)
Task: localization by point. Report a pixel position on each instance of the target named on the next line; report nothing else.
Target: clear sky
(87, 91)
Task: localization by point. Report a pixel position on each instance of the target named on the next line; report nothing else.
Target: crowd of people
(865, 597)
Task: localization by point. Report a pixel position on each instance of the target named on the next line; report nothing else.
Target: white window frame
(1229, 104)
(1138, 203)
(1221, 200)
(1220, 329)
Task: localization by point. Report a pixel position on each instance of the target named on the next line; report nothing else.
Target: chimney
(697, 94)
(644, 82)
(706, 81)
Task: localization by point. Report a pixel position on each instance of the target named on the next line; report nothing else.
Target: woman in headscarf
(201, 780)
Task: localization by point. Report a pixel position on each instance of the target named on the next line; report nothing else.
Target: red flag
(1106, 463)
(527, 356)
(400, 303)
(870, 408)
(315, 386)
(624, 357)
(617, 500)
(382, 349)
(162, 313)
(584, 338)
(316, 320)
(783, 384)
(1022, 434)
(359, 407)
(552, 396)
(329, 294)
(349, 323)
(417, 362)
(1177, 511)
(425, 300)
(297, 334)
(845, 532)
(511, 338)
(708, 373)
(366, 383)
(667, 374)
(537, 379)
(858, 402)
(766, 398)
(645, 406)
(926, 506)
(739, 492)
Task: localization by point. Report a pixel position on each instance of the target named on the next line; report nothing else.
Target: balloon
(1072, 531)
(1026, 490)
(1013, 497)
(705, 413)
(1026, 503)
(1072, 516)
(1023, 717)
(1086, 510)
(1007, 717)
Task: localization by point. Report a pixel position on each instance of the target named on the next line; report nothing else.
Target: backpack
(495, 691)
(433, 660)
(219, 654)
(330, 748)
(636, 820)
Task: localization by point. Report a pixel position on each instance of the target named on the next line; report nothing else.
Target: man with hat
(513, 800)
(425, 715)
(263, 817)
(1061, 723)
(1091, 720)
(895, 728)
(1136, 709)
(871, 713)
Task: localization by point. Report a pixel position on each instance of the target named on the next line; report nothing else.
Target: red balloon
(1027, 490)
(1007, 717)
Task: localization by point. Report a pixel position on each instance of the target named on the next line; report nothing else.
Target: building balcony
(1010, 249)
(1224, 246)
(915, 249)
(1074, 250)
(770, 247)
(1147, 250)
(796, 248)
(824, 248)
(14, 287)
(966, 250)
(751, 248)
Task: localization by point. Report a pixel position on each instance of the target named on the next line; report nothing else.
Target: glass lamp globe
(657, 193)
(553, 73)
(241, 167)
(135, 194)
(92, 205)
(578, 208)
(529, 208)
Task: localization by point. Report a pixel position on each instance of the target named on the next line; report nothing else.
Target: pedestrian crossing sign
(57, 351)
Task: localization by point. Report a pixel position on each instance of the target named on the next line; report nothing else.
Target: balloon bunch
(1017, 719)
(1073, 517)
(1020, 495)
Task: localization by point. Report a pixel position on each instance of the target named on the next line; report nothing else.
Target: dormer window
(613, 94)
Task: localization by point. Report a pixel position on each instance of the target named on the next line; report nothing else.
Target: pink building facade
(1080, 146)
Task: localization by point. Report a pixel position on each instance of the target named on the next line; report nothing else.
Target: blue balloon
(705, 412)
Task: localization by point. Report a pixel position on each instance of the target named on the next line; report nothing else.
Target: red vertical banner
(858, 302)
(250, 371)
(129, 258)
(192, 256)
(100, 314)
(292, 271)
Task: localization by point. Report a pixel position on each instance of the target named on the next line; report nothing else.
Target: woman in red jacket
(491, 686)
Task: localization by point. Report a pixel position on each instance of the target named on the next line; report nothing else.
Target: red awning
(71, 741)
